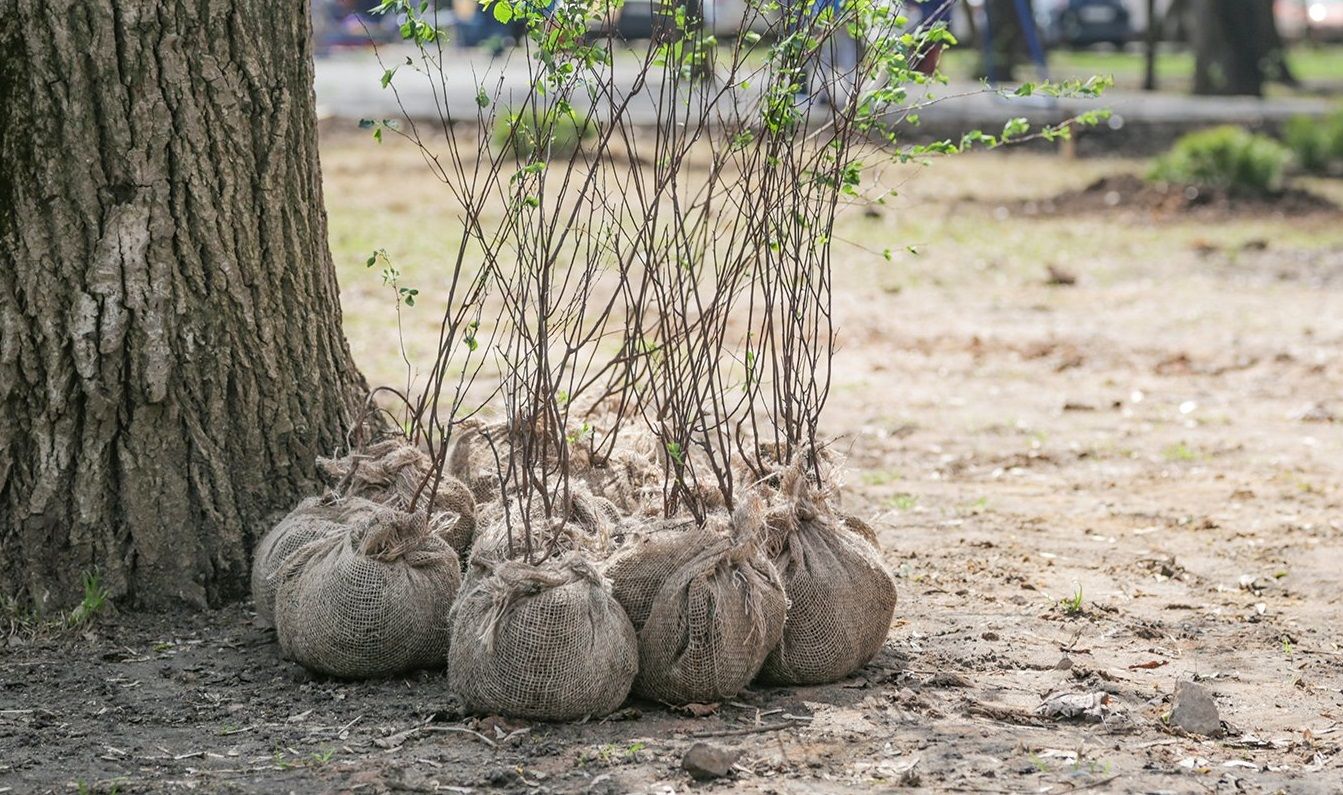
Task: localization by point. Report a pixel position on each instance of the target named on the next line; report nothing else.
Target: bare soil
(1130, 194)
(1105, 483)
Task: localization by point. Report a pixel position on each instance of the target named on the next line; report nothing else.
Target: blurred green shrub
(1225, 158)
(553, 134)
(1317, 144)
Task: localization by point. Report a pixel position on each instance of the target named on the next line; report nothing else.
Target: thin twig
(768, 727)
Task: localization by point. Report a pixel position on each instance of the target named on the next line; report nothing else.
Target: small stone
(1195, 711)
(704, 761)
(1314, 412)
(990, 636)
(1064, 663)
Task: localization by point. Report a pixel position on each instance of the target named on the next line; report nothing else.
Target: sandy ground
(1106, 487)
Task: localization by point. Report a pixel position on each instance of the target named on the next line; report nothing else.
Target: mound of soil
(1127, 192)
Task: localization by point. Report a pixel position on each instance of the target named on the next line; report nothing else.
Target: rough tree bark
(171, 353)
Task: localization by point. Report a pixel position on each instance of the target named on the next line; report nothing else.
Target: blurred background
(1229, 47)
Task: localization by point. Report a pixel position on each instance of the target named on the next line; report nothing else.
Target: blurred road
(348, 86)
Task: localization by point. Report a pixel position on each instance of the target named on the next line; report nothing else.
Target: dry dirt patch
(1102, 487)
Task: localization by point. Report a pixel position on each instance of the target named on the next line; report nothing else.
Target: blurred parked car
(1318, 19)
(1084, 23)
(641, 19)
(351, 23)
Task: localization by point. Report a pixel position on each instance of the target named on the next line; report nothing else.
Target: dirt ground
(1104, 454)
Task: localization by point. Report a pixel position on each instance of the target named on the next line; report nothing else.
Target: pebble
(704, 761)
(1195, 711)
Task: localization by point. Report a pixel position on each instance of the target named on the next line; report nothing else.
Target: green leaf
(1015, 127)
(387, 76)
(503, 12)
(482, 99)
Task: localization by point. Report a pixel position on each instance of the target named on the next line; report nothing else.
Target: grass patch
(1317, 144)
(1174, 70)
(879, 477)
(903, 502)
(1179, 452)
(552, 135)
(26, 622)
(95, 599)
(1225, 158)
(1072, 606)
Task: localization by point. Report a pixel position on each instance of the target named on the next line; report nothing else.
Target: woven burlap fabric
(631, 477)
(313, 518)
(707, 605)
(391, 472)
(587, 524)
(370, 601)
(840, 595)
(474, 459)
(545, 642)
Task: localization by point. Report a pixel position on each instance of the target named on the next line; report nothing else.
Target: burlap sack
(632, 476)
(587, 525)
(707, 605)
(370, 601)
(390, 473)
(314, 518)
(541, 642)
(840, 595)
(474, 463)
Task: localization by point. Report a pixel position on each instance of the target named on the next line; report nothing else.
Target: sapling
(653, 230)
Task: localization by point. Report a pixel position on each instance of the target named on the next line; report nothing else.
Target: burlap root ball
(391, 472)
(475, 463)
(544, 642)
(370, 601)
(587, 526)
(313, 518)
(840, 595)
(707, 604)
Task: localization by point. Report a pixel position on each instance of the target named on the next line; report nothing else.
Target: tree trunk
(1271, 46)
(171, 353)
(1229, 47)
(1006, 47)
(1151, 42)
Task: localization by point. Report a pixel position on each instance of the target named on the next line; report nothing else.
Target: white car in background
(726, 17)
(1319, 19)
